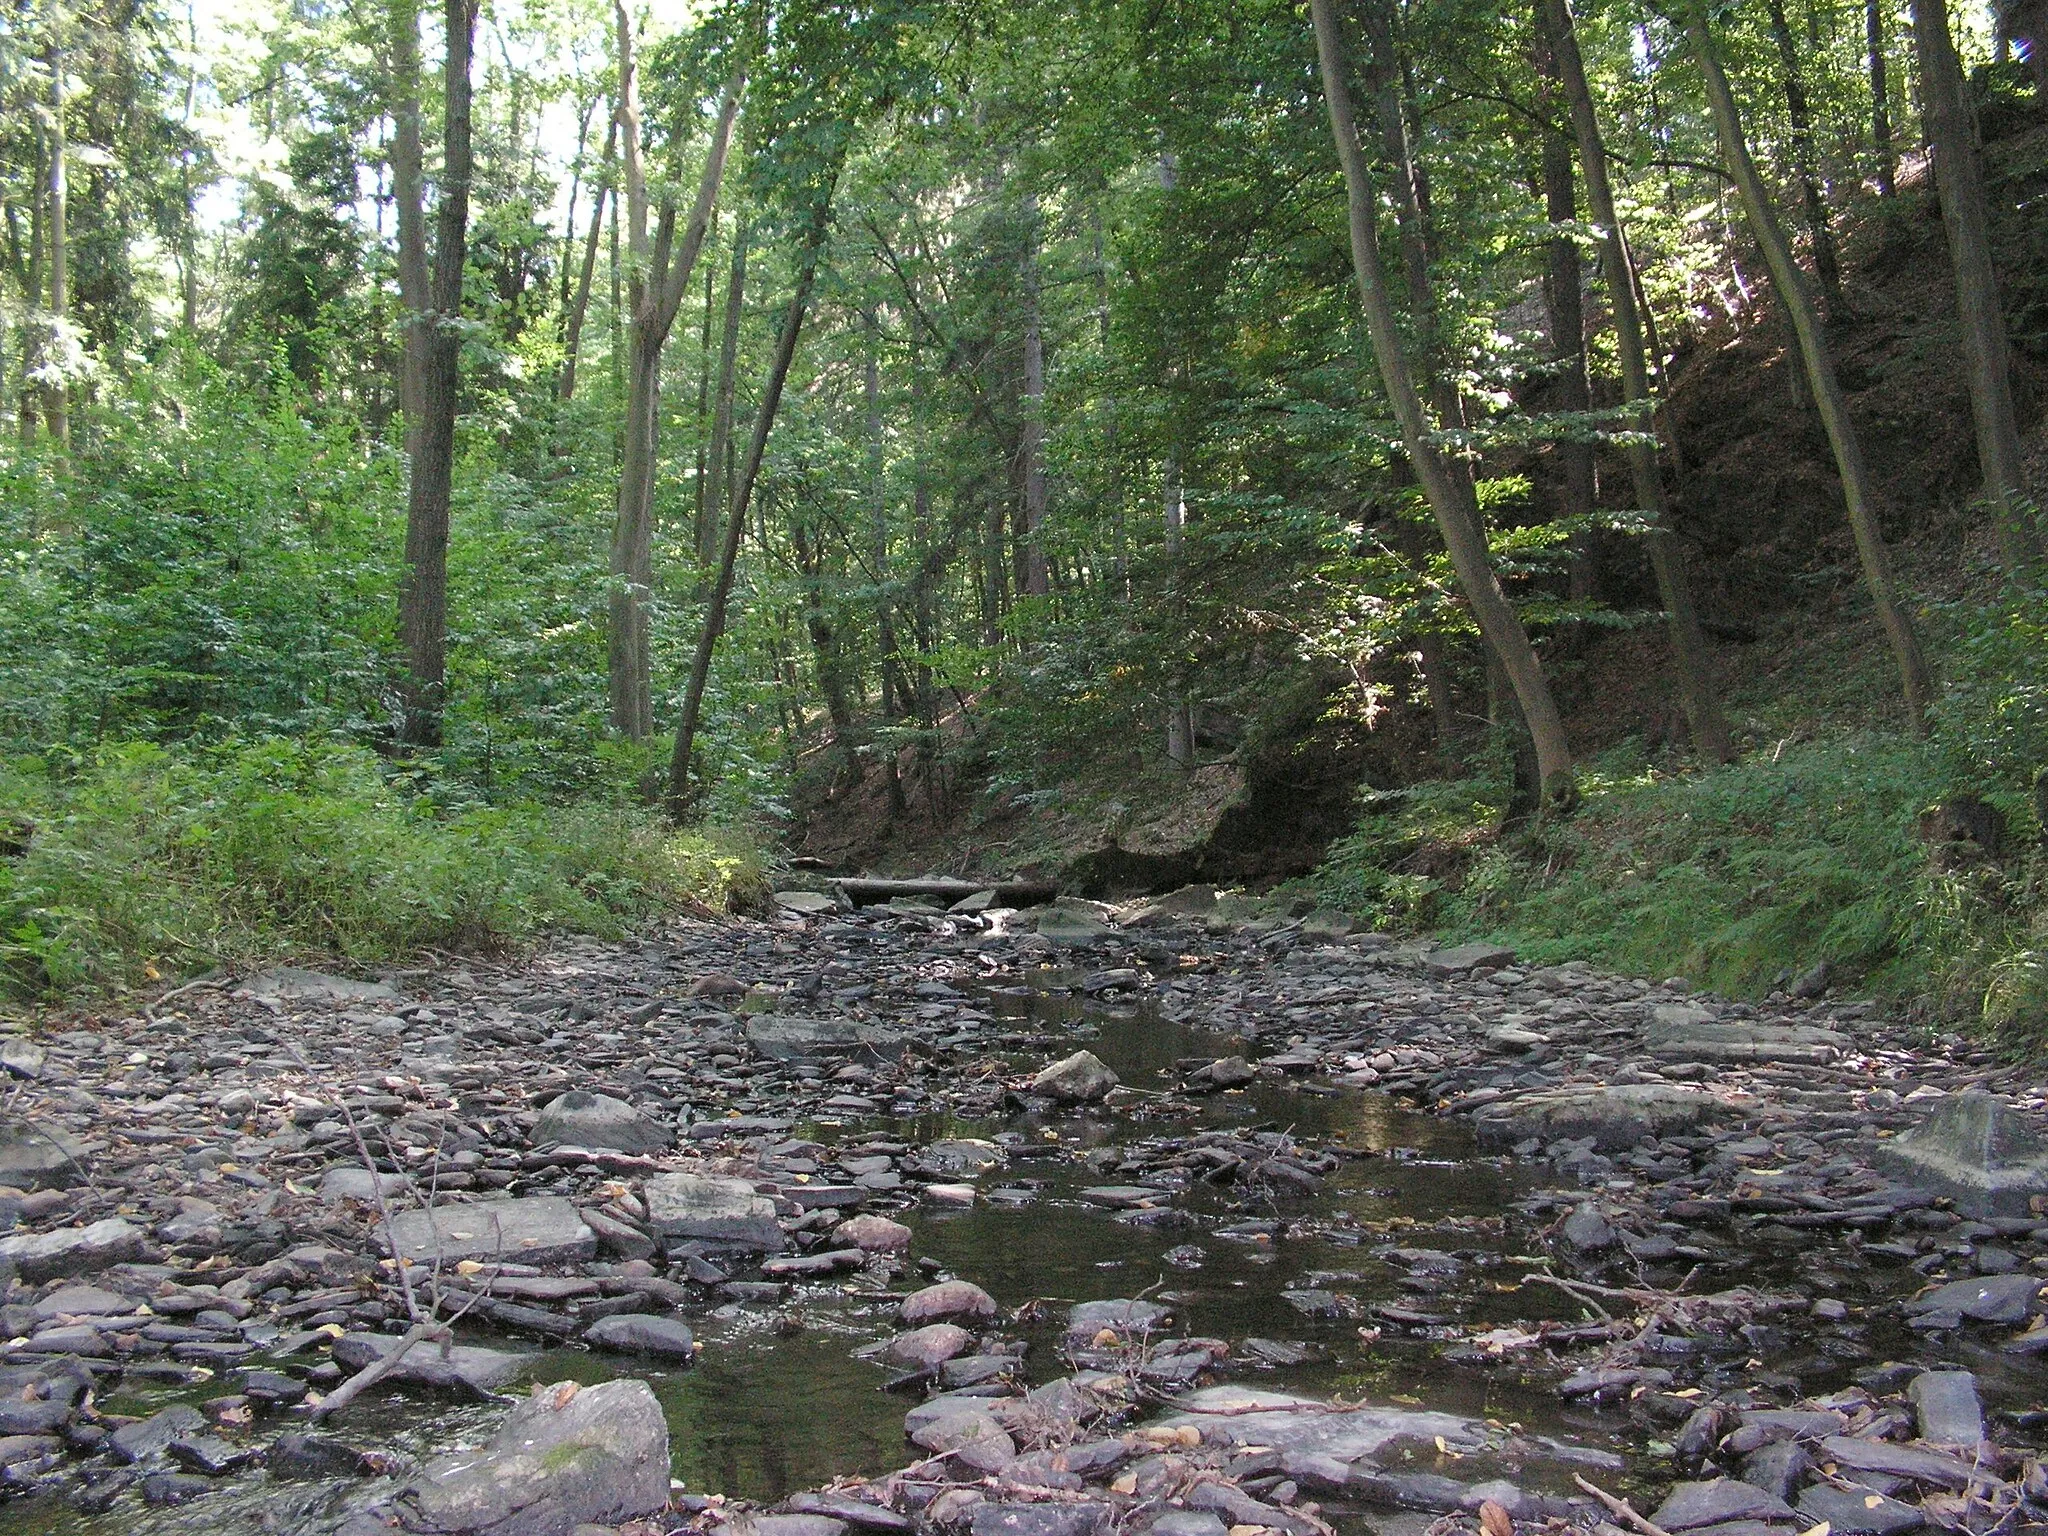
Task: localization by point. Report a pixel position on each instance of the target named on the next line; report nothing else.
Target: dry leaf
(1494, 1520)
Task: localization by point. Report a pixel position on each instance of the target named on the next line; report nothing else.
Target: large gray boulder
(580, 1118)
(1072, 923)
(683, 1206)
(1616, 1118)
(566, 1457)
(533, 1229)
(70, 1250)
(36, 1155)
(1080, 1078)
(1977, 1150)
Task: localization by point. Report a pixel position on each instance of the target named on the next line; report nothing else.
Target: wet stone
(1977, 1150)
(1081, 1078)
(533, 1229)
(1075, 1519)
(637, 1333)
(580, 1118)
(1614, 1119)
(682, 1206)
(71, 1250)
(35, 1155)
(783, 1037)
(947, 1300)
(1691, 1505)
(1853, 1512)
(1990, 1299)
(1948, 1408)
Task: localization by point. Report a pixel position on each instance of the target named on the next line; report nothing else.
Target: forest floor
(1321, 1230)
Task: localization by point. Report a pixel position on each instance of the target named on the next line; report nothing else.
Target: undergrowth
(140, 862)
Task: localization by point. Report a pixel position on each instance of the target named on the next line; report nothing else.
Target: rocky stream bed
(1045, 1223)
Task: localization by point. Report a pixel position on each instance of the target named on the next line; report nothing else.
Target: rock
(1725, 1499)
(1224, 1072)
(807, 903)
(1894, 1460)
(642, 1334)
(1948, 1408)
(853, 1511)
(1128, 1320)
(1616, 1119)
(1975, 1149)
(579, 1118)
(1077, 1079)
(962, 1155)
(1587, 1230)
(464, 1367)
(21, 1057)
(1326, 925)
(1464, 959)
(1988, 1299)
(1848, 1512)
(343, 1182)
(683, 1206)
(34, 1155)
(1811, 983)
(289, 984)
(787, 1525)
(618, 1238)
(1514, 1037)
(873, 1234)
(1079, 1519)
(1678, 1032)
(566, 1456)
(1303, 1425)
(1189, 901)
(151, 1437)
(71, 1250)
(533, 1229)
(83, 1301)
(1188, 1522)
(317, 1456)
(947, 1300)
(1071, 923)
(1778, 1469)
(785, 1037)
(929, 1347)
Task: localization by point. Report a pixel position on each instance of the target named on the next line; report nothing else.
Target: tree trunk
(1035, 578)
(1567, 321)
(1691, 657)
(1180, 714)
(1880, 98)
(703, 528)
(408, 195)
(682, 792)
(1448, 490)
(1959, 178)
(878, 520)
(1805, 161)
(579, 308)
(718, 457)
(56, 398)
(659, 279)
(423, 589)
(1914, 680)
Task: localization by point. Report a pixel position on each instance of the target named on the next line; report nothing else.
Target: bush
(141, 861)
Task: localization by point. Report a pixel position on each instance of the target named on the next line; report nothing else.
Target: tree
(658, 278)
(433, 349)
(1444, 483)
(1959, 182)
(1858, 490)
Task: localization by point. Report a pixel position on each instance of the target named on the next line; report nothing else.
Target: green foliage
(144, 861)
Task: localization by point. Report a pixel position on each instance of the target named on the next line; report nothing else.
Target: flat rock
(947, 1300)
(929, 1347)
(1072, 923)
(730, 1211)
(873, 1234)
(532, 1229)
(1732, 1040)
(786, 1037)
(71, 1250)
(289, 984)
(1691, 1505)
(1987, 1299)
(1080, 1078)
(1077, 1519)
(1948, 1407)
(465, 1367)
(1125, 1319)
(1464, 959)
(566, 1456)
(34, 1155)
(1858, 1513)
(580, 1118)
(638, 1333)
(1306, 1425)
(1977, 1150)
(342, 1182)
(1187, 902)
(1615, 1118)
(808, 903)
(151, 1437)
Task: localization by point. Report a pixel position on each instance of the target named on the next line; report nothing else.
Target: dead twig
(1621, 1509)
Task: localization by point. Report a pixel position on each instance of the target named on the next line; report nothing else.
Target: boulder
(1725, 1499)
(1308, 1426)
(806, 903)
(1071, 923)
(289, 984)
(71, 1250)
(929, 1347)
(685, 1206)
(532, 1229)
(567, 1456)
(947, 1300)
(1615, 1118)
(1687, 1032)
(1190, 901)
(580, 1118)
(873, 1234)
(1987, 1299)
(1080, 1078)
(786, 1037)
(1128, 1320)
(34, 1155)
(1977, 1150)
(1464, 959)
(638, 1333)
(459, 1367)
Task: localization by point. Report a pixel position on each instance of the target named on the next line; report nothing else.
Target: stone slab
(683, 1206)
(1979, 1151)
(533, 1229)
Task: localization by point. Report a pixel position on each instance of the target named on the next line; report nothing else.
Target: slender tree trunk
(719, 456)
(1880, 98)
(659, 278)
(56, 398)
(423, 588)
(579, 307)
(1857, 488)
(1959, 178)
(25, 414)
(703, 528)
(1691, 656)
(1805, 159)
(1036, 579)
(408, 195)
(878, 518)
(1567, 319)
(682, 793)
(1449, 492)
(1180, 713)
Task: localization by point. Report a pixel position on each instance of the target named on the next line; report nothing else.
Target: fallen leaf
(1494, 1519)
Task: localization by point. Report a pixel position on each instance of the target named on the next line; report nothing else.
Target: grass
(143, 863)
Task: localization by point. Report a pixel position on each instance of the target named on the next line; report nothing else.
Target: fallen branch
(377, 1369)
(1621, 1509)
